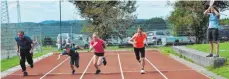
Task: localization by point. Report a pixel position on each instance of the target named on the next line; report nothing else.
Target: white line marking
(87, 67)
(187, 65)
(198, 71)
(80, 73)
(120, 65)
(18, 67)
(156, 68)
(54, 68)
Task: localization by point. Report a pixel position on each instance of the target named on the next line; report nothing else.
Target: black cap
(67, 46)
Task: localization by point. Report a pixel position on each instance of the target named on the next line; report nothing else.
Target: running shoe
(31, 65)
(73, 71)
(142, 71)
(25, 73)
(217, 55)
(210, 55)
(97, 72)
(104, 61)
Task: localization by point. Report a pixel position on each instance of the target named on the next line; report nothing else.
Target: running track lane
(110, 71)
(40, 68)
(171, 68)
(131, 68)
(64, 71)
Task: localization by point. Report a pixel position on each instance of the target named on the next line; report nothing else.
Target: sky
(41, 10)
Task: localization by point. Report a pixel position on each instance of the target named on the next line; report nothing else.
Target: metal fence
(8, 34)
(35, 31)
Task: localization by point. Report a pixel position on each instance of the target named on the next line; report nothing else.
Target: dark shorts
(74, 61)
(139, 51)
(212, 34)
(99, 54)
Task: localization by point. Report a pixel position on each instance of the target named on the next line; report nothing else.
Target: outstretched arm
(78, 47)
(59, 56)
(64, 53)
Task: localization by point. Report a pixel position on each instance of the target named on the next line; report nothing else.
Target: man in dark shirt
(25, 48)
(74, 56)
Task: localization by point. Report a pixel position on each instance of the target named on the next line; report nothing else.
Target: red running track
(121, 65)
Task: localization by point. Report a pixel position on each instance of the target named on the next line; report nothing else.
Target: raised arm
(206, 11)
(216, 12)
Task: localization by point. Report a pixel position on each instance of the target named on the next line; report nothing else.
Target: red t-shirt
(139, 40)
(98, 48)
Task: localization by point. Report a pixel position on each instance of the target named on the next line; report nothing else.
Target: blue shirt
(25, 43)
(72, 53)
(213, 21)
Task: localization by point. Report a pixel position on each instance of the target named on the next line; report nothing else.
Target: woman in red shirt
(98, 45)
(138, 40)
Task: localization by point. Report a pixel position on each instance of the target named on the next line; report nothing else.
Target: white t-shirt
(68, 41)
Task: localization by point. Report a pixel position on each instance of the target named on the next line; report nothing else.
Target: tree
(106, 17)
(155, 23)
(188, 18)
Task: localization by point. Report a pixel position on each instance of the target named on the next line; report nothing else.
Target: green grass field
(14, 61)
(168, 50)
(224, 52)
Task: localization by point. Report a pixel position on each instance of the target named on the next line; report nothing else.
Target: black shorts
(74, 61)
(99, 54)
(212, 34)
(139, 51)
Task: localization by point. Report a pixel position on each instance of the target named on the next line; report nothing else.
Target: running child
(138, 40)
(74, 56)
(98, 45)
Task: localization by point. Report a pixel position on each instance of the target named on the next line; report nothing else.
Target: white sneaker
(142, 71)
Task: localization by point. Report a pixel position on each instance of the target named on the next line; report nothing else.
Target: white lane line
(87, 67)
(80, 73)
(10, 71)
(186, 64)
(54, 68)
(120, 65)
(193, 66)
(156, 68)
